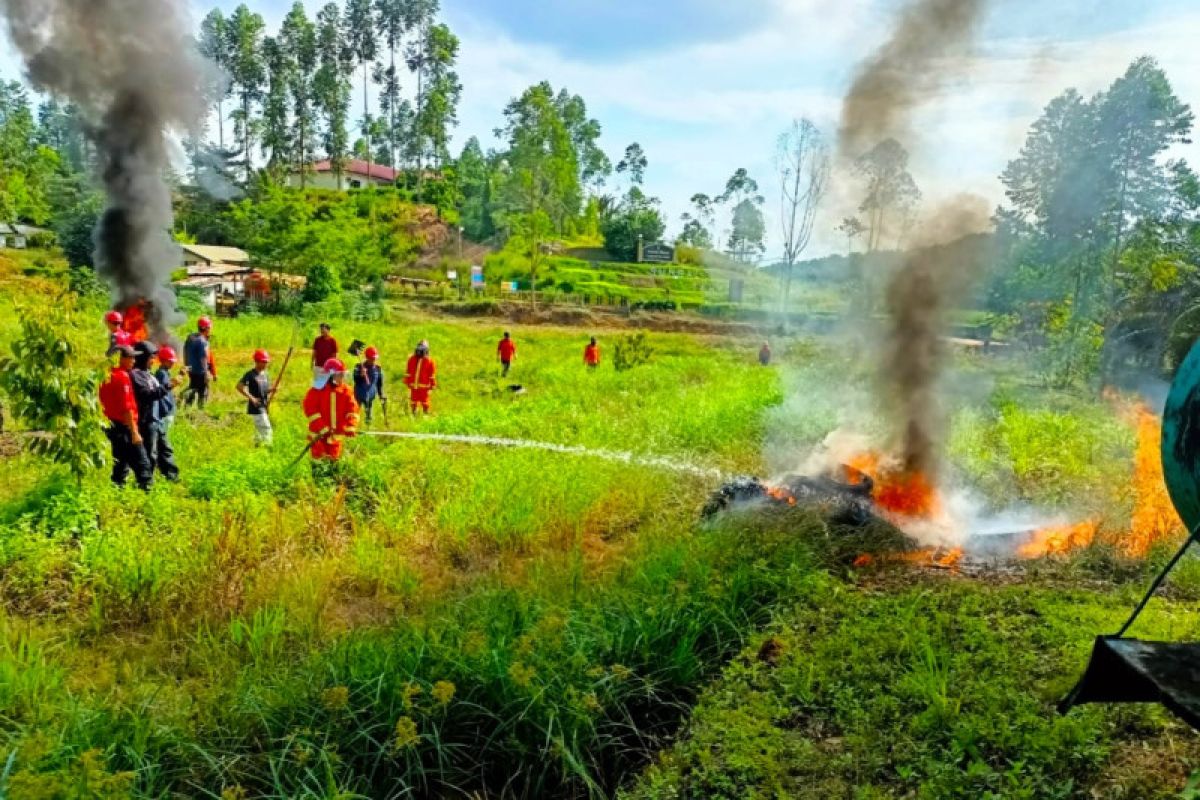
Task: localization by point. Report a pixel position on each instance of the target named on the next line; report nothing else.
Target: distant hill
(973, 252)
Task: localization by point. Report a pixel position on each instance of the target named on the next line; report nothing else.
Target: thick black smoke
(909, 69)
(132, 68)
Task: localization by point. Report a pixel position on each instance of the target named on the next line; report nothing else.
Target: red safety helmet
(166, 355)
(114, 317)
(262, 357)
(204, 324)
(371, 352)
(334, 365)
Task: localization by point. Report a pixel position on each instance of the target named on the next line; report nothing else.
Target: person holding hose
(332, 412)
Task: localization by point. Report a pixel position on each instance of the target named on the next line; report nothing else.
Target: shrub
(630, 351)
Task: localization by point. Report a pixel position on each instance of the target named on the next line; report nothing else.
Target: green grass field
(454, 620)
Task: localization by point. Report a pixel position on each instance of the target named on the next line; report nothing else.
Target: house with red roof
(356, 174)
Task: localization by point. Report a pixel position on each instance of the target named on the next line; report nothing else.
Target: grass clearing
(521, 623)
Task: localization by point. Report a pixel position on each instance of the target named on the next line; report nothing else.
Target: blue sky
(706, 86)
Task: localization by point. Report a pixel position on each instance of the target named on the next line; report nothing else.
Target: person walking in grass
(198, 359)
(591, 354)
(255, 386)
(420, 378)
(507, 352)
(121, 410)
(764, 354)
(368, 383)
(324, 347)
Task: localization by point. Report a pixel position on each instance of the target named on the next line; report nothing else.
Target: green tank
(1181, 440)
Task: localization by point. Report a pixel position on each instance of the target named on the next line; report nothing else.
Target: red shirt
(324, 348)
(116, 396)
(591, 354)
(507, 349)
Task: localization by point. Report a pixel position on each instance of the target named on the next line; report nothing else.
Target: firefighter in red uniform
(120, 408)
(421, 378)
(331, 410)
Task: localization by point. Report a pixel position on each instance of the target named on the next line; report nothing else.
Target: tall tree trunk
(303, 152)
(246, 134)
(392, 111)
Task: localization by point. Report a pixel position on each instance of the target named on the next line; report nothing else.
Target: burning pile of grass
(873, 486)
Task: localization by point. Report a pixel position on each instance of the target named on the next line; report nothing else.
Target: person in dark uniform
(149, 393)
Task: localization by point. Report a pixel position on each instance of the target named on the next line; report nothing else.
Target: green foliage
(50, 393)
(636, 218)
(631, 350)
(926, 691)
(76, 229)
(323, 283)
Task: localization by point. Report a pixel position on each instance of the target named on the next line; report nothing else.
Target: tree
(438, 111)
(594, 164)
(853, 228)
(540, 187)
(51, 393)
(75, 230)
(636, 219)
(214, 45)
(475, 181)
(331, 88)
(697, 227)
(418, 18)
(298, 37)
(891, 192)
(392, 21)
(634, 162)
(278, 141)
(748, 228)
(803, 163)
(542, 165)
(246, 68)
(360, 39)
(27, 168)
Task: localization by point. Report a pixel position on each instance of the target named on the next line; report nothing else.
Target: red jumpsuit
(591, 355)
(332, 415)
(420, 378)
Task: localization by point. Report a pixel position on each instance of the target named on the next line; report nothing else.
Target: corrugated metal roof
(217, 254)
(197, 270)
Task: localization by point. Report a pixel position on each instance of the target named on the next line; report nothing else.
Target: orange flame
(134, 321)
(899, 493)
(1059, 539)
(781, 494)
(1154, 516)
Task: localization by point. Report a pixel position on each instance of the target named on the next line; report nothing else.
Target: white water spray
(619, 456)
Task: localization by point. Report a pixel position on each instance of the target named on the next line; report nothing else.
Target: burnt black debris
(842, 503)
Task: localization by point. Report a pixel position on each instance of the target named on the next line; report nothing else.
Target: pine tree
(331, 87)
(298, 36)
(248, 71)
(360, 39)
(214, 45)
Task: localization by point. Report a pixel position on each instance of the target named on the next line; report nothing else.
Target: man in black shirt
(255, 386)
(149, 393)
